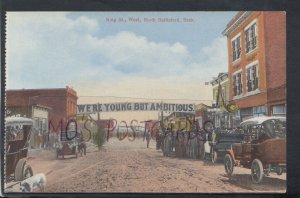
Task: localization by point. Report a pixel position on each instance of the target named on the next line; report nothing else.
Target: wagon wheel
(22, 170)
(228, 164)
(208, 126)
(257, 171)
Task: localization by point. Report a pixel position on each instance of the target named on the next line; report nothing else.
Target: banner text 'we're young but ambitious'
(137, 106)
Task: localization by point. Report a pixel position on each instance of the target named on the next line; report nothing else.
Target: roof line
(237, 22)
(36, 89)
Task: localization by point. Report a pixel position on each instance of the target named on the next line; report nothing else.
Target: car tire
(20, 169)
(228, 164)
(257, 171)
(28, 172)
(279, 171)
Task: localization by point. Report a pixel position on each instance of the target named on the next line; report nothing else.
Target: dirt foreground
(128, 166)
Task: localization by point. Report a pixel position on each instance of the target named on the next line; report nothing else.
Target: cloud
(53, 50)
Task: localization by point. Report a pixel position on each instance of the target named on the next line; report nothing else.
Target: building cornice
(237, 23)
(222, 78)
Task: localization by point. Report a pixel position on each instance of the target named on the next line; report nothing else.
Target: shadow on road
(245, 181)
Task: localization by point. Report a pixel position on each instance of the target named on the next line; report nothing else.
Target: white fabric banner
(134, 106)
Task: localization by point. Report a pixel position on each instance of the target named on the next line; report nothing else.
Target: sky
(99, 57)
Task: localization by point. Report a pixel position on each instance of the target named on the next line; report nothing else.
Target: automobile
(67, 145)
(263, 149)
(218, 142)
(18, 132)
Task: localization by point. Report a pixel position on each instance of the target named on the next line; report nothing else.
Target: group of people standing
(185, 144)
(43, 140)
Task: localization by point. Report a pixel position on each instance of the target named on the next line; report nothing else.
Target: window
(260, 110)
(236, 48)
(252, 78)
(279, 109)
(251, 37)
(237, 84)
(14, 132)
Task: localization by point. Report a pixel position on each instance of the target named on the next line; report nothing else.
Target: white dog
(38, 180)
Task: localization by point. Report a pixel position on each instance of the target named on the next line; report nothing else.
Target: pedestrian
(40, 139)
(148, 137)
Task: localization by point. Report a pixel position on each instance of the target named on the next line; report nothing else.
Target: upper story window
(236, 48)
(252, 77)
(251, 36)
(237, 84)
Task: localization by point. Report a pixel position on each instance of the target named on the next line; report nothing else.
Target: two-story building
(257, 62)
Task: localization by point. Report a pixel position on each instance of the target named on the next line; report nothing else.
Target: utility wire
(145, 98)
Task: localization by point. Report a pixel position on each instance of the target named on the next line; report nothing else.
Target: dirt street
(128, 166)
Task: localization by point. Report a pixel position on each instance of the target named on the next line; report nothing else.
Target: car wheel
(279, 171)
(228, 164)
(257, 171)
(19, 170)
(27, 172)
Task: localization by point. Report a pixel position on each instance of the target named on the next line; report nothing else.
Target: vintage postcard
(168, 102)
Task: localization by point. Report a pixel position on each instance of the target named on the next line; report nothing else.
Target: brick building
(257, 62)
(61, 102)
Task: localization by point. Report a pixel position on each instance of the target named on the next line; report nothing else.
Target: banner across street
(134, 106)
